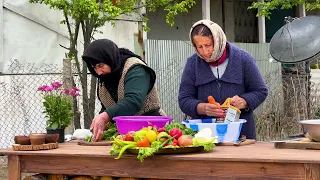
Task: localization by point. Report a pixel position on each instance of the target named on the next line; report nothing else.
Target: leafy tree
(267, 6)
(89, 15)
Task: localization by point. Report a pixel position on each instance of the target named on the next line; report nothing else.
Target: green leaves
(100, 12)
(267, 6)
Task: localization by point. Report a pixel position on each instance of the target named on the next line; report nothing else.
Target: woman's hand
(98, 125)
(210, 110)
(214, 110)
(239, 102)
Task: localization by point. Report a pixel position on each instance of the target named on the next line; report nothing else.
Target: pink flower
(56, 85)
(75, 88)
(65, 91)
(48, 89)
(42, 88)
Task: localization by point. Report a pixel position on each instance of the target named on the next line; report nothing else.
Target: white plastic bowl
(226, 132)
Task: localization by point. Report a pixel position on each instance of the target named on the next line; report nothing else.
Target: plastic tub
(226, 132)
(135, 123)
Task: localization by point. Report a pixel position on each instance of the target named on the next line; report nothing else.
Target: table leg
(14, 172)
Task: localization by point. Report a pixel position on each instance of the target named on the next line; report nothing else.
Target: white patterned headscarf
(219, 38)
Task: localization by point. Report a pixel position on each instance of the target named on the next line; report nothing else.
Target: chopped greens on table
(151, 139)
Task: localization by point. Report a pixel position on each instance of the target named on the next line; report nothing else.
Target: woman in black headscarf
(126, 85)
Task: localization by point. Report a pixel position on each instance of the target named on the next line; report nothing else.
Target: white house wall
(32, 34)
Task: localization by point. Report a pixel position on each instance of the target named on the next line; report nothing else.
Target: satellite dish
(297, 41)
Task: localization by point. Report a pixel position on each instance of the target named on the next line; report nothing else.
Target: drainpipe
(261, 27)
(206, 9)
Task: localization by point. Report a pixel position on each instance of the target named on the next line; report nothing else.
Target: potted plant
(57, 107)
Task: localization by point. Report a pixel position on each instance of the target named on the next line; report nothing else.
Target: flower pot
(59, 131)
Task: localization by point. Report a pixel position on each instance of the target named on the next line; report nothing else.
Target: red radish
(175, 132)
(175, 142)
(161, 130)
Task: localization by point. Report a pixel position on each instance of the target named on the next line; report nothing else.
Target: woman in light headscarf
(126, 85)
(221, 70)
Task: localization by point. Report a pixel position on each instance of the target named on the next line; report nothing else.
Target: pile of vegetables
(150, 139)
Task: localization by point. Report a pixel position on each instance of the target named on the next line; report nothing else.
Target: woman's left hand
(98, 126)
(239, 102)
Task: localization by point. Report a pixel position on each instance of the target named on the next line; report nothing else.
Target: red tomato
(143, 142)
(128, 137)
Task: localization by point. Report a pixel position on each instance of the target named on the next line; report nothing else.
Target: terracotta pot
(59, 131)
(23, 140)
(16, 138)
(37, 138)
(52, 138)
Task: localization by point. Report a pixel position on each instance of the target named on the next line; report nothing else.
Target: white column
(1, 35)
(302, 10)
(262, 28)
(206, 9)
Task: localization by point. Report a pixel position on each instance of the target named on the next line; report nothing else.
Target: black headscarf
(106, 51)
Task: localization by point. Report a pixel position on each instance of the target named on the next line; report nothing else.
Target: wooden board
(100, 143)
(246, 142)
(18, 147)
(302, 143)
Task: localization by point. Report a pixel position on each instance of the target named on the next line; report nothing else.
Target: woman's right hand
(98, 126)
(210, 110)
(214, 110)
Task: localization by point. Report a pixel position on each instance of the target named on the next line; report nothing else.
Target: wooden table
(257, 161)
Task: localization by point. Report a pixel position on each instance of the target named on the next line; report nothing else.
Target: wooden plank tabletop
(259, 152)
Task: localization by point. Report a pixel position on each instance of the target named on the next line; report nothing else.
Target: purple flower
(48, 89)
(45, 88)
(56, 85)
(75, 88)
(65, 91)
(42, 88)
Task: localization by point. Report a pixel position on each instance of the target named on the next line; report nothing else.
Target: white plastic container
(226, 132)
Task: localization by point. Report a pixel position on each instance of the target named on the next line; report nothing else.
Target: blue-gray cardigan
(241, 77)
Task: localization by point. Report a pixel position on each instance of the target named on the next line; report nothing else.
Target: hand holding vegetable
(213, 108)
(98, 125)
(239, 102)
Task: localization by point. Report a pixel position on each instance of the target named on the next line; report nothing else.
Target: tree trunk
(86, 114)
(76, 112)
(92, 100)
(89, 99)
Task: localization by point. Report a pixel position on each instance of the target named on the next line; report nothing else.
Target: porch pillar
(302, 10)
(261, 27)
(1, 35)
(206, 9)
